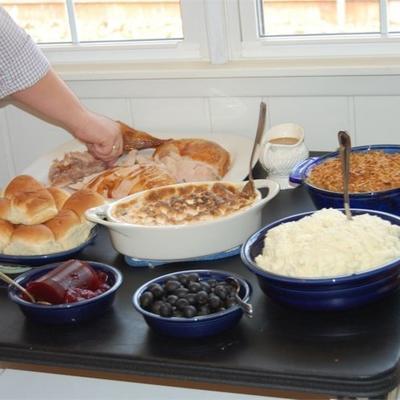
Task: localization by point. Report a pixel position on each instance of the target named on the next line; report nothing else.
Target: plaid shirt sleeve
(22, 64)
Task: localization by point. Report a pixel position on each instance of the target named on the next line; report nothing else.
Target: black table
(352, 353)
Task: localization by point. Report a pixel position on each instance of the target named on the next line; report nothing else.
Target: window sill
(234, 69)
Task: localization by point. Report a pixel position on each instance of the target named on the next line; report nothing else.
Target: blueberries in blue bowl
(195, 303)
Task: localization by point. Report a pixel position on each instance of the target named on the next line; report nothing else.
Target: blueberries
(172, 285)
(204, 310)
(157, 290)
(181, 292)
(146, 299)
(201, 297)
(191, 298)
(181, 303)
(195, 287)
(214, 301)
(220, 291)
(166, 310)
(172, 298)
(193, 277)
(185, 295)
(189, 311)
(155, 308)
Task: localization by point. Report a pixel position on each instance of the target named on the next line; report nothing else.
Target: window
(52, 21)
(82, 31)
(315, 17)
(217, 31)
(318, 29)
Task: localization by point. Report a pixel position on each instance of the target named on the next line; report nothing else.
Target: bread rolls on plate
(82, 200)
(32, 240)
(27, 202)
(60, 196)
(6, 231)
(68, 229)
(21, 183)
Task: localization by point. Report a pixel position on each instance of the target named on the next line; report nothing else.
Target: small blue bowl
(66, 313)
(201, 326)
(337, 293)
(386, 200)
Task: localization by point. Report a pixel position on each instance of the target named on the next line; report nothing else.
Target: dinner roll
(68, 229)
(21, 183)
(82, 200)
(4, 208)
(32, 240)
(6, 230)
(30, 208)
(60, 196)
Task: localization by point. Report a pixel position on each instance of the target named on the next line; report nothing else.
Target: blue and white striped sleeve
(22, 63)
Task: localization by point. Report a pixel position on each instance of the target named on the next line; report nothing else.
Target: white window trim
(193, 47)
(248, 45)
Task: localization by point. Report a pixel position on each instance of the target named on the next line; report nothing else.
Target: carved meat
(119, 182)
(134, 139)
(191, 160)
(73, 167)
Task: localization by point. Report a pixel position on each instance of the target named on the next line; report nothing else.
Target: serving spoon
(10, 281)
(344, 151)
(249, 188)
(246, 307)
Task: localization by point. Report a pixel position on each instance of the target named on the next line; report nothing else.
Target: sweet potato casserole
(371, 171)
(183, 205)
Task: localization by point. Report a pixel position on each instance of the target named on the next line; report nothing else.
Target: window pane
(394, 15)
(302, 17)
(45, 20)
(128, 19)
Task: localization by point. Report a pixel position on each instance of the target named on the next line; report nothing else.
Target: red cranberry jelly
(71, 281)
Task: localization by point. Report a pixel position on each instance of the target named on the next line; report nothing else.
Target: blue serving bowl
(200, 326)
(336, 293)
(66, 313)
(387, 200)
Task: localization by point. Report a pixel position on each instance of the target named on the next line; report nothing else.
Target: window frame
(192, 47)
(252, 46)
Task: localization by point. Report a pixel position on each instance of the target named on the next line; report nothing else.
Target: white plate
(238, 146)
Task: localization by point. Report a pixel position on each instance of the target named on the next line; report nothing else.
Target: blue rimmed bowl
(67, 313)
(200, 326)
(386, 200)
(336, 293)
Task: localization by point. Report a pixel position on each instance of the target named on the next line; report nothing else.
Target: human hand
(102, 137)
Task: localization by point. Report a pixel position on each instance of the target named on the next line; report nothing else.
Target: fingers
(107, 151)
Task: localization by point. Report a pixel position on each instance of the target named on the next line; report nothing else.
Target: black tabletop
(338, 353)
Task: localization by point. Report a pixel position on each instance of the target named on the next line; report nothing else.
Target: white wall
(366, 105)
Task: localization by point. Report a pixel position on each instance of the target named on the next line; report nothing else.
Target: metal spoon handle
(246, 307)
(344, 150)
(7, 279)
(258, 138)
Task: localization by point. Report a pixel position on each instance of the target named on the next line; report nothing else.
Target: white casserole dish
(174, 242)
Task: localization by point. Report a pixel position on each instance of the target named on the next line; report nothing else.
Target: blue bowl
(201, 326)
(337, 293)
(387, 200)
(66, 313)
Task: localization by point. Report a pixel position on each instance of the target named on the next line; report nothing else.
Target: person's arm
(27, 78)
(51, 98)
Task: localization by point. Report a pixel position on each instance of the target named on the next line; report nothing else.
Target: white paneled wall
(367, 106)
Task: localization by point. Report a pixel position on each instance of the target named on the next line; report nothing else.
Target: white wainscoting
(367, 106)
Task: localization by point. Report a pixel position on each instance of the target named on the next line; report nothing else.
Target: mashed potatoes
(326, 244)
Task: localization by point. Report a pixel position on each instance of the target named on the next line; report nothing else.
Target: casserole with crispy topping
(180, 205)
